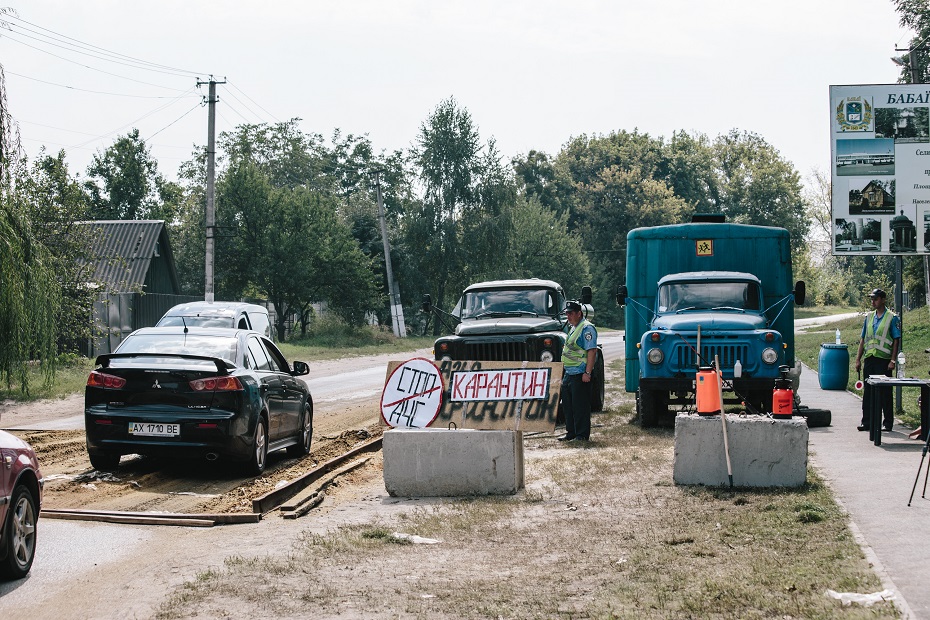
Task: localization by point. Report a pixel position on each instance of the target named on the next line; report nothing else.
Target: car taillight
(103, 380)
(216, 384)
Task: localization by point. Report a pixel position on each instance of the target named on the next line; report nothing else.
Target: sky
(532, 73)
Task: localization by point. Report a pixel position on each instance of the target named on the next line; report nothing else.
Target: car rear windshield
(197, 321)
(223, 347)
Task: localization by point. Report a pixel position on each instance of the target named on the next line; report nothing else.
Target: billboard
(880, 168)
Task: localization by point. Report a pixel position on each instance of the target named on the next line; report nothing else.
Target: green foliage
(30, 294)
(915, 15)
(466, 206)
(124, 184)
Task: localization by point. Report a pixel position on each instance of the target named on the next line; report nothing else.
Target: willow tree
(30, 295)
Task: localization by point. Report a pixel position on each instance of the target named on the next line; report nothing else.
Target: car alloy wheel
(21, 534)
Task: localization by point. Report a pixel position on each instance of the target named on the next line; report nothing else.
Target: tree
(758, 186)
(30, 295)
(466, 194)
(290, 248)
(55, 202)
(915, 14)
(124, 184)
(541, 246)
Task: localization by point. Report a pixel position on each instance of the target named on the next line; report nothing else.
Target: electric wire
(244, 94)
(172, 122)
(96, 92)
(9, 38)
(132, 123)
(96, 48)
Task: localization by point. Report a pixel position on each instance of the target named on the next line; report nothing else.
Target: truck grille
(495, 351)
(684, 356)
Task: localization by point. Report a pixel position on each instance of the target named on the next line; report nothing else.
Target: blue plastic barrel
(834, 366)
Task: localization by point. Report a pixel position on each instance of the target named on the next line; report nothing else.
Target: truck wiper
(504, 313)
(729, 308)
(680, 310)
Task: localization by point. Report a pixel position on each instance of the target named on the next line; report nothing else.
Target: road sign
(412, 394)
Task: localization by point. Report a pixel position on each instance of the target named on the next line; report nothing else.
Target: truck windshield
(680, 296)
(510, 302)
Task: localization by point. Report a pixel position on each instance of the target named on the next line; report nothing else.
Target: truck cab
(511, 320)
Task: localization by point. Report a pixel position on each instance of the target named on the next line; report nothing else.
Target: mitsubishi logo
(156, 385)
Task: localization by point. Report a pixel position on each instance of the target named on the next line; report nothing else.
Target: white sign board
(496, 385)
(412, 394)
(880, 164)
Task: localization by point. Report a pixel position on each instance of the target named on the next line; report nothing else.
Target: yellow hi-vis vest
(574, 355)
(878, 343)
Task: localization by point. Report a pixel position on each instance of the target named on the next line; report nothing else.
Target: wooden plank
(271, 500)
(219, 518)
(118, 518)
(307, 494)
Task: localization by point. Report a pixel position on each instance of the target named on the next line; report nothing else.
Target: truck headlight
(546, 356)
(655, 356)
(445, 358)
(769, 356)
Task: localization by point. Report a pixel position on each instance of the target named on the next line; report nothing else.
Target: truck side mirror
(427, 303)
(586, 295)
(799, 292)
(621, 295)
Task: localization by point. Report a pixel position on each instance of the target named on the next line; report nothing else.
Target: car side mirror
(300, 368)
(800, 290)
(586, 295)
(427, 303)
(622, 294)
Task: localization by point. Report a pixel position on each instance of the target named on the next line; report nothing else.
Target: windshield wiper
(729, 308)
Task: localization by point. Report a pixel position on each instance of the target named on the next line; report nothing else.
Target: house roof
(123, 251)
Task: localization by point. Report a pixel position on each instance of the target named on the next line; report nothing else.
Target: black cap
(572, 305)
(878, 293)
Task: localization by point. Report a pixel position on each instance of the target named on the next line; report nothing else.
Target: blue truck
(704, 291)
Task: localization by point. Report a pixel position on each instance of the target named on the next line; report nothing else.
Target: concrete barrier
(442, 462)
(763, 452)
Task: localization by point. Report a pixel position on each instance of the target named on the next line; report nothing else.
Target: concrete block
(763, 452)
(442, 462)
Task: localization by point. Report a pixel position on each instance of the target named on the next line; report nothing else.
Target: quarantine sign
(486, 395)
(412, 393)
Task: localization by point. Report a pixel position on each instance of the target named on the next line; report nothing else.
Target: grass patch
(70, 378)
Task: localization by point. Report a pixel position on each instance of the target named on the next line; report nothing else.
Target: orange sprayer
(782, 396)
(707, 392)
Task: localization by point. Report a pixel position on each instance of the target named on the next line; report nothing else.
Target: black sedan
(196, 392)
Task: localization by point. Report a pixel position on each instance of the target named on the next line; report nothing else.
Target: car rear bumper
(209, 432)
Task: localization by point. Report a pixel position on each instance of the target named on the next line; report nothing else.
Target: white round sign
(412, 395)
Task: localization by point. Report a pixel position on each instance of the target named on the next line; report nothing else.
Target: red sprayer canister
(707, 391)
(782, 396)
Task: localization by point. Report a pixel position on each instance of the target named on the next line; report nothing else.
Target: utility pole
(397, 309)
(210, 214)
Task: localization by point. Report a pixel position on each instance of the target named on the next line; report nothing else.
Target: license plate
(150, 429)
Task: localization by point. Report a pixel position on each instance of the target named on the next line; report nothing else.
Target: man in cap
(879, 344)
(578, 357)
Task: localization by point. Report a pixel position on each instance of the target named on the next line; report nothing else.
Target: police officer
(879, 343)
(578, 357)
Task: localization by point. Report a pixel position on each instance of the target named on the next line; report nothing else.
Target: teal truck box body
(738, 282)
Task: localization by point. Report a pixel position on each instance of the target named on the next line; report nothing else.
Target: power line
(15, 40)
(132, 123)
(174, 121)
(96, 92)
(253, 101)
(77, 43)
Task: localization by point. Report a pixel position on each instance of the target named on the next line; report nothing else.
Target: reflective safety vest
(878, 342)
(574, 355)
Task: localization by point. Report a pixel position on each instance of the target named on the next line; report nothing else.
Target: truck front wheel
(651, 407)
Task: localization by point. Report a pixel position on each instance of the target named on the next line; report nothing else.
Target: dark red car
(20, 499)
